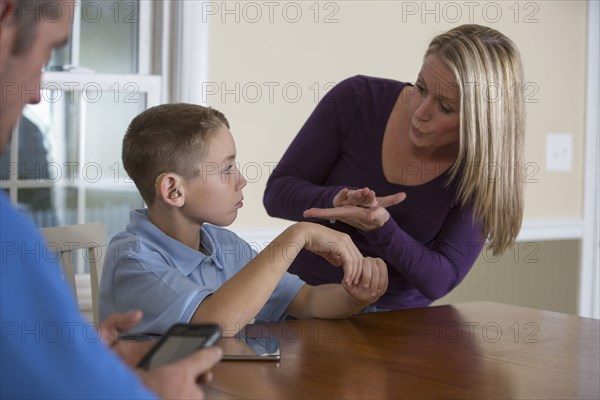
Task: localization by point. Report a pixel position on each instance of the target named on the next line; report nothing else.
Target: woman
(420, 176)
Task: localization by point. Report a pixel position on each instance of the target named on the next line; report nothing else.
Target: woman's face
(434, 107)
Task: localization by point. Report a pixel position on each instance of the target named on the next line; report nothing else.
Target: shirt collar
(185, 258)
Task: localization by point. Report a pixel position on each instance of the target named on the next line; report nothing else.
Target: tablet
(250, 348)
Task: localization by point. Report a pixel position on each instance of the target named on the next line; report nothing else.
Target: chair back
(90, 239)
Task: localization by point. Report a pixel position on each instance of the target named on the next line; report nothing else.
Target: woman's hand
(364, 197)
(359, 208)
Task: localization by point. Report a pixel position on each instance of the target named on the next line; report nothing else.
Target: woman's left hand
(359, 208)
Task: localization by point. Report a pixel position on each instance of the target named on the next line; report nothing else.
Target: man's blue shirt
(47, 350)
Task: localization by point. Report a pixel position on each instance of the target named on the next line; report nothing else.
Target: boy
(176, 267)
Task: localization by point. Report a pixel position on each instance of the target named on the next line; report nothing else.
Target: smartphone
(180, 341)
(250, 348)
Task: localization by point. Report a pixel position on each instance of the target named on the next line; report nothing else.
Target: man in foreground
(47, 349)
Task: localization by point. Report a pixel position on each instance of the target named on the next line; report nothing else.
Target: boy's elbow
(302, 306)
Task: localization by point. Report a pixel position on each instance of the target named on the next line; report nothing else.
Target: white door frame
(589, 281)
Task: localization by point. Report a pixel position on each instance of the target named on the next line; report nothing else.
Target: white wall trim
(145, 38)
(259, 236)
(589, 283)
(533, 230)
(193, 58)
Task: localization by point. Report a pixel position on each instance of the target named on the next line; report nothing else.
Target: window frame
(76, 77)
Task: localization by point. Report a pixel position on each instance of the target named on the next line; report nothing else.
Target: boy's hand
(373, 282)
(336, 247)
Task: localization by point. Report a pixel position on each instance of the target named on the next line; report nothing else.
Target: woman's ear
(168, 189)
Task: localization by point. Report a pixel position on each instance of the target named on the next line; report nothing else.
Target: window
(64, 163)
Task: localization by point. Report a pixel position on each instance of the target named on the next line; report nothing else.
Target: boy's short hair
(168, 138)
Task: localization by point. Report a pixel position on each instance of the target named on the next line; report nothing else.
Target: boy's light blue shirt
(148, 270)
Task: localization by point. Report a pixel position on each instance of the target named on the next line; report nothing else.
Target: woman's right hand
(360, 208)
(364, 197)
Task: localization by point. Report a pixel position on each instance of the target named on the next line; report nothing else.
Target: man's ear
(8, 26)
(7, 10)
(8, 30)
(168, 189)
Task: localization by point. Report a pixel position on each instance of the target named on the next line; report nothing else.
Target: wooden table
(472, 350)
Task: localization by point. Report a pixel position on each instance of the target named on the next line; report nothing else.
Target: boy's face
(216, 194)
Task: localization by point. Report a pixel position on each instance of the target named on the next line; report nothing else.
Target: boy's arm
(240, 299)
(341, 301)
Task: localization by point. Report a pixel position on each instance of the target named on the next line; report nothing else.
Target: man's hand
(112, 326)
(181, 380)
(109, 329)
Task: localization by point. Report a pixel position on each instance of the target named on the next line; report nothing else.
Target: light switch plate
(559, 151)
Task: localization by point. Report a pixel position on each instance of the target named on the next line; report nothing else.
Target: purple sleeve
(436, 269)
(299, 180)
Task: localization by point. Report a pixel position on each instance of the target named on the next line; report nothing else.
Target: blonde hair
(168, 138)
(489, 167)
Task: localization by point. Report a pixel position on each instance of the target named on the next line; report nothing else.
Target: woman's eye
(445, 108)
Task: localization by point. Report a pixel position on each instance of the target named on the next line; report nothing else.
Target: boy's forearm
(238, 301)
(330, 301)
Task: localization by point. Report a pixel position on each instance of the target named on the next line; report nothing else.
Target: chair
(90, 239)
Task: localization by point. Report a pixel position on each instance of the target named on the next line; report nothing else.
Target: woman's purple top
(429, 243)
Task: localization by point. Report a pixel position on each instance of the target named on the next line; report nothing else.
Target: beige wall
(541, 275)
(387, 39)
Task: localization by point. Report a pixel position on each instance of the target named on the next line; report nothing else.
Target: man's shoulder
(14, 222)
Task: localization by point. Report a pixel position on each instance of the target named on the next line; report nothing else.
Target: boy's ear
(168, 189)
